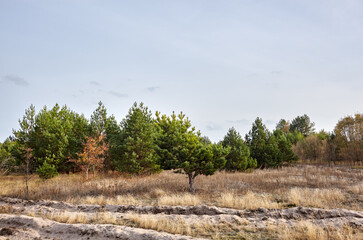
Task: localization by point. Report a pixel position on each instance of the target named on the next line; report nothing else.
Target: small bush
(47, 171)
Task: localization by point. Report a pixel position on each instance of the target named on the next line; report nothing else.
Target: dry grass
(8, 209)
(185, 199)
(239, 229)
(264, 188)
(250, 200)
(315, 197)
(164, 223)
(357, 188)
(176, 226)
(305, 230)
(79, 217)
(102, 200)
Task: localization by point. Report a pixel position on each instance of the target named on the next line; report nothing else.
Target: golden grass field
(305, 185)
(311, 186)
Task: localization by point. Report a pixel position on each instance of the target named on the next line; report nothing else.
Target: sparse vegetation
(307, 230)
(138, 164)
(301, 186)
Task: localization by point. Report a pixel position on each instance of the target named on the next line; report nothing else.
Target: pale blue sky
(223, 63)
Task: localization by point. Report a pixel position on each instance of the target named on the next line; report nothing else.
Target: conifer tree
(181, 148)
(239, 158)
(270, 150)
(303, 125)
(24, 138)
(101, 123)
(285, 152)
(137, 145)
(258, 141)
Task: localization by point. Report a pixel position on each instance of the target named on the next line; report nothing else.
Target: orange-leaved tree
(93, 155)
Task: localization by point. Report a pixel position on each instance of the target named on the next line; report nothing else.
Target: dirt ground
(40, 219)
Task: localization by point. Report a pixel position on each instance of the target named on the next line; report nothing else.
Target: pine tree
(270, 150)
(303, 125)
(47, 171)
(100, 123)
(57, 135)
(24, 138)
(238, 158)
(285, 155)
(260, 146)
(181, 148)
(138, 135)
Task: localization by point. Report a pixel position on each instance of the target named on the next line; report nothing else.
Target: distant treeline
(60, 140)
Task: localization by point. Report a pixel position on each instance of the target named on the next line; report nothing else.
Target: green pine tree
(239, 158)
(137, 145)
(46, 171)
(181, 148)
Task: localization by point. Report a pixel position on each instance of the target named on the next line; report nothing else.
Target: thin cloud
(95, 83)
(152, 89)
(270, 122)
(213, 127)
(243, 121)
(117, 94)
(16, 80)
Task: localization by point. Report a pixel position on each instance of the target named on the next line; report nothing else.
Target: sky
(223, 63)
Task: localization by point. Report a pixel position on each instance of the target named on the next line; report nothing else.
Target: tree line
(342, 146)
(59, 140)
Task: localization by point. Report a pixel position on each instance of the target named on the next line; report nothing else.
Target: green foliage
(143, 145)
(270, 150)
(113, 138)
(180, 147)
(56, 134)
(25, 134)
(7, 161)
(257, 140)
(302, 124)
(24, 139)
(100, 123)
(47, 171)
(238, 158)
(295, 136)
(323, 135)
(138, 142)
(59, 135)
(285, 153)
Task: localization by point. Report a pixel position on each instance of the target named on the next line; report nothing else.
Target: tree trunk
(191, 182)
(26, 187)
(87, 173)
(27, 178)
